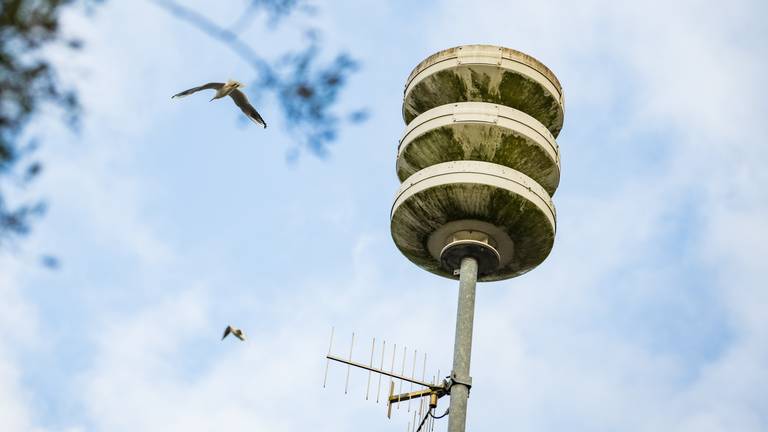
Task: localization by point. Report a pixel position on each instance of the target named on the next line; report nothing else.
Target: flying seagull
(229, 89)
(235, 331)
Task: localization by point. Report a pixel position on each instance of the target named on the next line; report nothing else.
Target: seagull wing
(227, 331)
(248, 109)
(213, 85)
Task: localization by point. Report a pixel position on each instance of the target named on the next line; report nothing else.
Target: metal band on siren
(469, 190)
(483, 132)
(485, 73)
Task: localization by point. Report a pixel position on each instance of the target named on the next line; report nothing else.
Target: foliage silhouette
(28, 83)
(305, 87)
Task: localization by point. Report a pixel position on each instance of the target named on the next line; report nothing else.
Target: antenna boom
(383, 372)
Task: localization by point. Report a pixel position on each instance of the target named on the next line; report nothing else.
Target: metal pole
(462, 347)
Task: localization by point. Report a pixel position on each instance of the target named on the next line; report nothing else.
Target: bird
(235, 331)
(231, 89)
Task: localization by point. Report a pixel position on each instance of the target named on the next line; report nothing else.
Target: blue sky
(173, 219)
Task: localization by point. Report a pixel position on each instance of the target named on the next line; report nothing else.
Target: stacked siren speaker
(478, 162)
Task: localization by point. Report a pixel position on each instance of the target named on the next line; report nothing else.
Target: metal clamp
(453, 379)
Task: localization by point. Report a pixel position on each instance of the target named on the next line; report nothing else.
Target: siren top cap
(485, 73)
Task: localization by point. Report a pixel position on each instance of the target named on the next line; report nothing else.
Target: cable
(424, 419)
(444, 414)
(429, 414)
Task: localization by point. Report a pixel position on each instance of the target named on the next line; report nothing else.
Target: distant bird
(229, 89)
(235, 331)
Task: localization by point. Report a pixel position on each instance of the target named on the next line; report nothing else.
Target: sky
(173, 219)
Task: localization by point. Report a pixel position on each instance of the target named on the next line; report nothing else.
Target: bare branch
(305, 90)
(223, 35)
(245, 19)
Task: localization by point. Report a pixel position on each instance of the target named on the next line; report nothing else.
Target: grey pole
(462, 347)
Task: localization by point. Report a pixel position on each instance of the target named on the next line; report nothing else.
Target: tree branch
(221, 34)
(305, 91)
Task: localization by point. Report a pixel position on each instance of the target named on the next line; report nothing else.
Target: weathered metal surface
(478, 164)
(472, 190)
(484, 132)
(498, 238)
(485, 73)
(462, 246)
(462, 346)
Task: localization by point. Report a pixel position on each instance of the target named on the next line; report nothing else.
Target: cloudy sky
(173, 219)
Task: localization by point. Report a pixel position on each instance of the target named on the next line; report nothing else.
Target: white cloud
(19, 332)
(270, 382)
(606, 335)
(685, 69)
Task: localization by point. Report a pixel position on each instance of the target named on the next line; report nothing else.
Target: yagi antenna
(427, 393)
